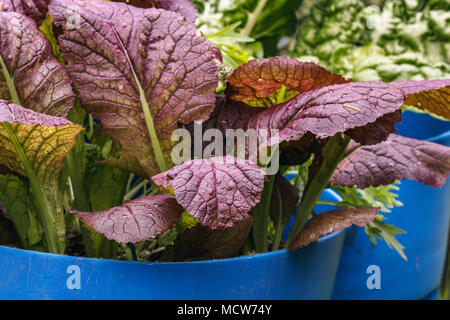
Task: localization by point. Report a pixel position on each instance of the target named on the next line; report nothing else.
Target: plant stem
(133, 251)
(261, 217)
(279, 227)
(133, 191)
(80, 198)
(45, 215)
(153, 135)
(332, 154)
(253, 17)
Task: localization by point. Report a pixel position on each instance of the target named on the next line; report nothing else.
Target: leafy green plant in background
(400, 40)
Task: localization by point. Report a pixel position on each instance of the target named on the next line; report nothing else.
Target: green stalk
(54, 244)
(279, 227)
(133, 191)
(10, 83)
(80, 198)
(333, 153)
(253, 17)
(261, 217)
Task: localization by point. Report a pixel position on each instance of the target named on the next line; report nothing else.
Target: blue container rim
(264, 255)
(268, 255)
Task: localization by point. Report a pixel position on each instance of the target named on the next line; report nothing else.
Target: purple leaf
(16, 114)
(184, 7)
(261, 78)
(135, 221)
(229, 114)
(219, 191)
(331, 221)
(396, 158)
(35, 9)
(31, 76)
(428, 95)
(329, 110)
(201, 243)
(141, 72)
(289, 196)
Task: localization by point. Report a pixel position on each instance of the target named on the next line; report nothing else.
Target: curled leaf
(184, 7)
(259, 79)
(219, 191)
(135, 221)
(396, 158)
(35, 9)
(144, 72)
(34, 145)
(331, 221)
(45, 140)
(333, 109)
(30, 74)
(428, 95)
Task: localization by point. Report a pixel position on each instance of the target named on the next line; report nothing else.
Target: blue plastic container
(306, 273)
(425, 216)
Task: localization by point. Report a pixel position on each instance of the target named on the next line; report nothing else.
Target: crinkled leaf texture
(396, 158)
(184, 7)
(30, 74)
(428, 95)
(135, 221)
(38, 142)
(201, 243)
(331, 221)
(136, 69)
(35, 9)
(219, 191)
(45, 139)
(229, 114)
(259, 79)
(333, 109)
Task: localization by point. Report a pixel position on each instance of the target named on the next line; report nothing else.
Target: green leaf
(383, 197)
(379, 229)
(14, 195)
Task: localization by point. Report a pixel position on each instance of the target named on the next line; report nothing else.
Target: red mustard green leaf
(135, 221)
(396, 158)
(219, 191)
(141, 72)
(333, 109)
(428, 95)
(331, 221)
(229, 114)
(377, 131)
(35, 9)
(30, 74)
(201, 243)
(184, 7)
(259, 79)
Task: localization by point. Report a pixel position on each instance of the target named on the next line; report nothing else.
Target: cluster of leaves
(397, 40)
(128, 74)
